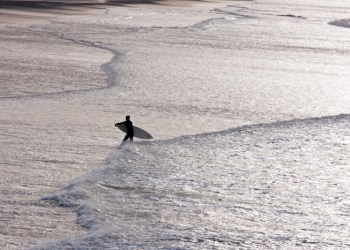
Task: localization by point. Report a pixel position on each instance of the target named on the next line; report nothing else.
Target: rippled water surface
(248, 102)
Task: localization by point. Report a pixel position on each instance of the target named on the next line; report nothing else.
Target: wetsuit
(130, 130)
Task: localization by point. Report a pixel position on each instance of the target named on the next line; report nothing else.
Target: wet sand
(41, 12)
(29, 12)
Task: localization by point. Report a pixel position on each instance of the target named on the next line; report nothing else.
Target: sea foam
(271, 185)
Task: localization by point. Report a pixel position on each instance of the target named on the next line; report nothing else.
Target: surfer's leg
(126, 137)
(131, 138)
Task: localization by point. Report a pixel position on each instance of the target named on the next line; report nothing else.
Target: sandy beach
(41, 12)
(13, 12)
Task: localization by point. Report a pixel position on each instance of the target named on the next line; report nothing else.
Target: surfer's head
(127, 117)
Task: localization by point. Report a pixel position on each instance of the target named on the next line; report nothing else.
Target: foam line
(112, 76)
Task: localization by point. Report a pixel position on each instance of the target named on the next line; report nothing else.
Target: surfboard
(138, 132)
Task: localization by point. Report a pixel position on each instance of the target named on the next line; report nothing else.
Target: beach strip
(29, 12)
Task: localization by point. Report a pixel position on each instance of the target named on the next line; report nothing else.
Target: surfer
(129, 128)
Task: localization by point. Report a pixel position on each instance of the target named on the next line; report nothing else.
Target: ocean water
(247, 101)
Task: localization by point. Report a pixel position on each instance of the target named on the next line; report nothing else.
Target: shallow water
(179, 72)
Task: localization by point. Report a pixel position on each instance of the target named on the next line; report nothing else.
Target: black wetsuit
(130, 129)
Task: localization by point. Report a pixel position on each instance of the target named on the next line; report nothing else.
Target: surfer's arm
(119, 123)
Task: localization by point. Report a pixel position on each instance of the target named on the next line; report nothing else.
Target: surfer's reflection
(129, 128)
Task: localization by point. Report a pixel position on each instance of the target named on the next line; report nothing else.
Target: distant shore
(41, 12)
(28, 12)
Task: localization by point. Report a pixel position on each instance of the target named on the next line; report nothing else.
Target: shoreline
(23, 13)
(23, 16)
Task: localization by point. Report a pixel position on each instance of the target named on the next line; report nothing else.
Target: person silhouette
(129, 128)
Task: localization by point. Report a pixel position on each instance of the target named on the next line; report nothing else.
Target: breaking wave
(261, 186)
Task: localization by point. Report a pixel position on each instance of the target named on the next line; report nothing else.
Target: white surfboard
(138, 132)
